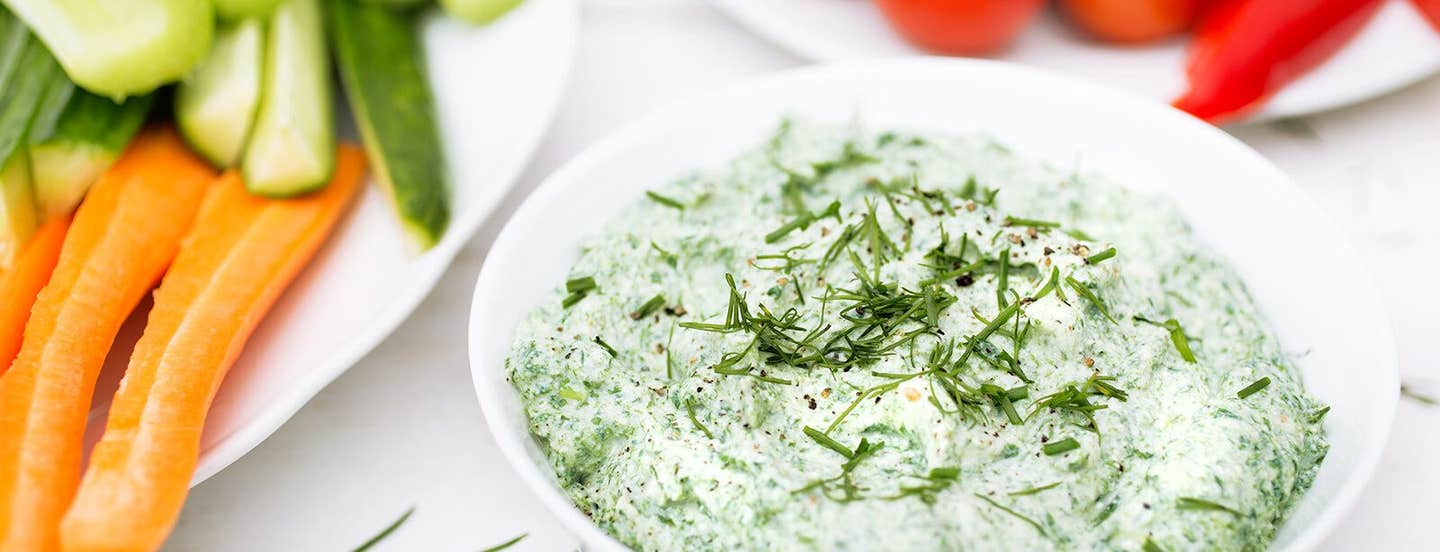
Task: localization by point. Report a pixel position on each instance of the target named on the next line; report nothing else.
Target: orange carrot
(242, 253)
(122, 238)
(23, 282)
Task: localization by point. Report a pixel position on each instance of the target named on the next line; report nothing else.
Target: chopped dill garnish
(842, 488)
(936, 481)
(1253, 388)
(648, 307)
(1150, 546)
(1018, 515)
(385, 533)
(669, 258)
(1035, 490)
(1188, 503)
(690, 409)
(668, 202)
(971, 191)
(827, 442)
(1060, 447)
(669, 353)
(803, 221)
(1083, 290)
(1032, 223)
(1319, 415)
(1101, 256)
(1001, 397)
(506, 544)
(1177, 336)
(607, 347)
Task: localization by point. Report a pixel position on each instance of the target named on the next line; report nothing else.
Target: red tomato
(960, 27)
(1133, 21)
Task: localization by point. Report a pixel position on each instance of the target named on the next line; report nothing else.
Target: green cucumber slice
(119, 48)
(216, 107)
(382, 66)
(292, 149)
(69, 153)
(478, 12)
(240, 9)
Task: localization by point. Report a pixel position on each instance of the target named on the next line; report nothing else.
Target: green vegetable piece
(292, 148)
(241, 9)
(216, 108)
(121, 48)
(382, 66)
(478, 12)
(26, 72)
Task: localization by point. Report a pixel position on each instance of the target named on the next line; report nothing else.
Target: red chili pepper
(1247, 50)
(1430, 9)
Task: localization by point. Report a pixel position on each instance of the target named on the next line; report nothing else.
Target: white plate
(497, 88)
(1397, 49)
(1306, 278)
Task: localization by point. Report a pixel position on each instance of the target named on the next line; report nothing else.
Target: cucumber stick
(478, 11)
(292, 148)
(216, 107)
(68, 153)
(119, 48)
(26, 72)
(240, 9)
(382, 67)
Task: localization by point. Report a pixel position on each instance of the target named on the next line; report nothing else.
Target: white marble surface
(402, 428)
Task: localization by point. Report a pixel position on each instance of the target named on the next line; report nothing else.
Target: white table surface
(402, 428)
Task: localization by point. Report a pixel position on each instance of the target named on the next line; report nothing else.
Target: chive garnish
(1036, 224)
(669, 354)
(607, 347)
(670, 258)
(827, 442)
(690, 409)
(506, 544)
(1409, 392)
(1253, 388)
(1034, 490)
(1150, 546)
(1101, 256)
(1003, 283)
(1319, 415)
(668, 202)
(579, 288)
(384, 533)
(570, 300)
(1083, 290)
(570, 394)
(1188, 503)
(1078, 234)
(1007, 510)
(648, 307)
(1061, 447)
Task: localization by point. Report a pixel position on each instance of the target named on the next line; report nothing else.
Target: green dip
(928, 346)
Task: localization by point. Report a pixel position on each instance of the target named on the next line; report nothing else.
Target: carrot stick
(243, 252)
(122, 238)
(23, 282)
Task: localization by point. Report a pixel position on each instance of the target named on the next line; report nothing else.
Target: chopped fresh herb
(803, 221)
(570, 300)
(1001, 397)
(842, 488)
(649, 307)
(1101, 256)
(578, 285)
(690, 409)
(1188, 503)
(1408, 391)
(1150, 546)
(670, 258)
(571, 394)
(1061, 447)
(1021, 517)
(1083, 290)
(1078, 234)
(1035, 490)
(384, 533)
(971, 191)
(1319, 415)
(668, 202)
(1003, 282)
(1177, 336)
(506, 544)
(669, 354)
(607, 347)
(1253, 388)
(827, 442)
(1032, 223)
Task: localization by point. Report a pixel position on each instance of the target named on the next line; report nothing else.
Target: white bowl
(1302, 272)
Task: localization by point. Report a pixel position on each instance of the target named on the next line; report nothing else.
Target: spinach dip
(856, 340)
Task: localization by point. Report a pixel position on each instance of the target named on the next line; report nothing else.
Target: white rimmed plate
(1397, 49)
(1236, 200)
(497, 88)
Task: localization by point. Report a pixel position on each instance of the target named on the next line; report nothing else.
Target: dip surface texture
(928, 345)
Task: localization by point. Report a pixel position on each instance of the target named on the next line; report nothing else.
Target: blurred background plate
(497, 88)
(1397, 49)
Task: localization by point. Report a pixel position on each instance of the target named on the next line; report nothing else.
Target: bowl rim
(488, 376)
